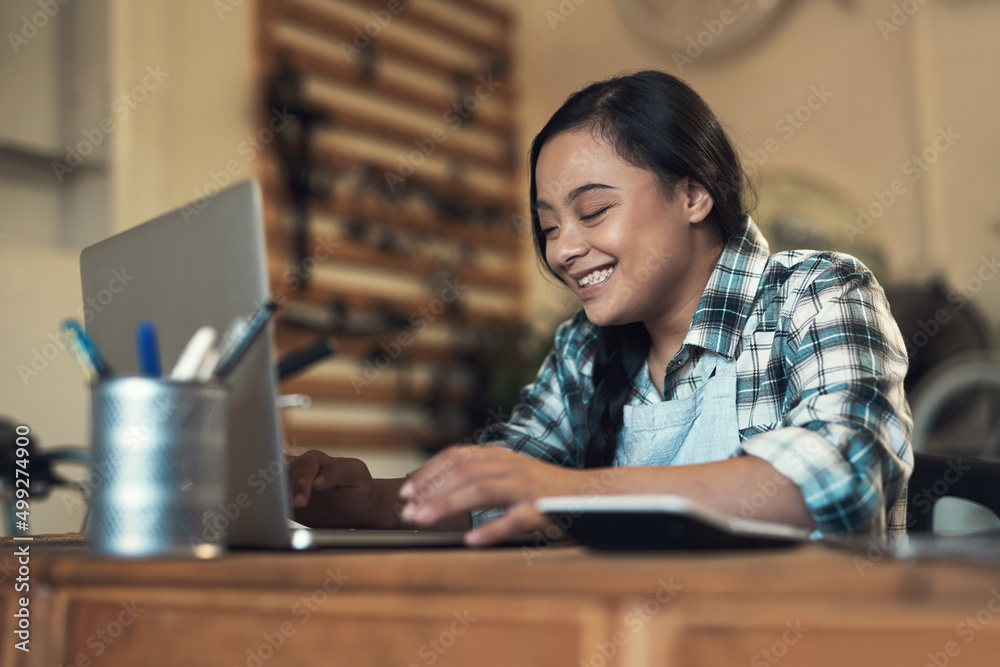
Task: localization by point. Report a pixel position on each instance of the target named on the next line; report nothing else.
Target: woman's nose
(569, 245)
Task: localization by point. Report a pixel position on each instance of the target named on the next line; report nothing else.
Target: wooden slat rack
(422, 173)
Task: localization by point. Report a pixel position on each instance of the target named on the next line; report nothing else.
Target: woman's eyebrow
(574, 193)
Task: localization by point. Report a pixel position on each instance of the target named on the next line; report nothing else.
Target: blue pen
(148, 348)
(86, 350)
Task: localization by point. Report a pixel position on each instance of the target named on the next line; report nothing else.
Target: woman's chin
(603, 317)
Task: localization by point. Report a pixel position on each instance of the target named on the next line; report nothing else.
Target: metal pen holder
(159, 467)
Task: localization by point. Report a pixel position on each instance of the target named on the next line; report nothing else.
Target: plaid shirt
(819, 390)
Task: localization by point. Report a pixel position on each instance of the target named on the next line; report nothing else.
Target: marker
(208, 365)
(191, 359)
(229, 339)
(256, 325)
(86, 351)
(79, 350)
(148, 348)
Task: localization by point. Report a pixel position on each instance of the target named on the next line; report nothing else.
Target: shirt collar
(731, 290)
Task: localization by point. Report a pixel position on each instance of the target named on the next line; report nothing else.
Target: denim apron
(700, 428)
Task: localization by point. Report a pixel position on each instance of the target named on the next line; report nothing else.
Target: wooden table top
(806, 570)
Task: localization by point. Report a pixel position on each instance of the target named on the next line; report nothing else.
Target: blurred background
(389, 139)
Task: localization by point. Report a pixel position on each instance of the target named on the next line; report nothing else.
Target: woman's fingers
(440, 471)
(481, 491)
(519, 519)
(462, 479)
(302, 473)
(450, 486)
(314, 470)
(335, 471)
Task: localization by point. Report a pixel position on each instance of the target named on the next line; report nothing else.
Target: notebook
(660, 522)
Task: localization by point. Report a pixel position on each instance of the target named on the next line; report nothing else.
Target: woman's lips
(602, 277)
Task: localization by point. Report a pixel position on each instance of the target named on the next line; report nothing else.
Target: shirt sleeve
(550, 421)
(845, 434)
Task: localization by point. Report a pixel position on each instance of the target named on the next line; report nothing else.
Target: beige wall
(181, 125)
(890, 96)
(191, 124)
(39, 278)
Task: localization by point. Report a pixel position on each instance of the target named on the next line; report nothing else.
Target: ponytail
(621, 351)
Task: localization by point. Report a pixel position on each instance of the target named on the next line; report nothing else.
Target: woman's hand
(464, 478)
(334, 492)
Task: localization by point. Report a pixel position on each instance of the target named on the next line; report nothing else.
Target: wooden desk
(560, 606)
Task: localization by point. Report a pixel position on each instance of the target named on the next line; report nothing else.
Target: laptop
(206, 264)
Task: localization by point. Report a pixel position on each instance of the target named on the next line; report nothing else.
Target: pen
(256, 325)
(86, 352)
(233, 333)
(193, 356)
(148, 349)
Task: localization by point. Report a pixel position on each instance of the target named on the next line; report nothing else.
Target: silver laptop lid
(183, 270)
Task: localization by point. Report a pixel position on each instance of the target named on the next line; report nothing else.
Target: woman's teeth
(597, 276)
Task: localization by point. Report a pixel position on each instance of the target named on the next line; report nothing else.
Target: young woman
(764, 386)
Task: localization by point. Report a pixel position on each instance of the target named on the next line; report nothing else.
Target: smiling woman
(699, 365)
(632, 251)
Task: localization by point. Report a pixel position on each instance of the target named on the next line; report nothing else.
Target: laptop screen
(183, 270)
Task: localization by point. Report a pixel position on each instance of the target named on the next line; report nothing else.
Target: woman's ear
(697, 201)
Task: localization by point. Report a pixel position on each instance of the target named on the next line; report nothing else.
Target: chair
(936, 476)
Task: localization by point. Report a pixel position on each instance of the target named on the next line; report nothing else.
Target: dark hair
(657, 122)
